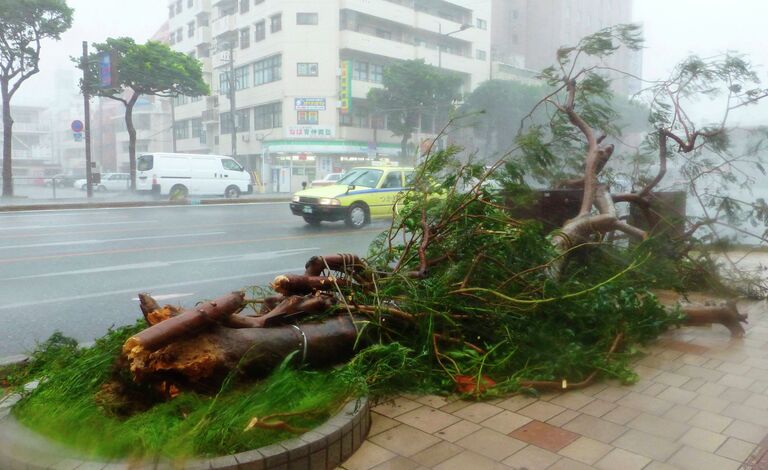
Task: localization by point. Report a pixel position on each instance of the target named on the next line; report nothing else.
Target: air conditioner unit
(246, 138)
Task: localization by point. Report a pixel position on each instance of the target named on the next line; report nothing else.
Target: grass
(63, 407)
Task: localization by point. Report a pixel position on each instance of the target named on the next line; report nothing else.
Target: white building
(31, 144)
(289, 60)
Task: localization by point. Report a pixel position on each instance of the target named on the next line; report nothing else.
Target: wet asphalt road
(79, 271)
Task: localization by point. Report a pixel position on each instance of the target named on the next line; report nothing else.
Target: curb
(103, 205)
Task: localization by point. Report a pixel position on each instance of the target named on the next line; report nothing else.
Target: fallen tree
(480, 300)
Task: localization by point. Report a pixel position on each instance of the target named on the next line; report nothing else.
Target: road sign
(77, 126)
(78, 136)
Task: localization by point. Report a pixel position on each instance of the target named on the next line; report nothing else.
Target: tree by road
(413, 89)
(23, 26)
(145, 69)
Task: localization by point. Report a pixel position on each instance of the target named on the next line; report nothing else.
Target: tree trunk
(202, 361)
(7, 141)
(131, 138)
(404, 148)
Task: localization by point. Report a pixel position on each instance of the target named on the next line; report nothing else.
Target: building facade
(528, 33)
(31, 144)
(301, 71)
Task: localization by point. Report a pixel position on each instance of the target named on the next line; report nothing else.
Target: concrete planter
(325, 447)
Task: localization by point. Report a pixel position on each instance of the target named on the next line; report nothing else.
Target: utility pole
(87, 112)
(173, 124)
(232, 105)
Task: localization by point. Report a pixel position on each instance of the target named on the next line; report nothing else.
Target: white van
(182, 174)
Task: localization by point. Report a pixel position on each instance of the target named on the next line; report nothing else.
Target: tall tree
(23, 26)
(145, 69)
(412, 89)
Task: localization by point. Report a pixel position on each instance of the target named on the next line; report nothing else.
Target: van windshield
(367, 178)
(145, 163)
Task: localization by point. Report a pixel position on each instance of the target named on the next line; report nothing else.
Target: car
(109, 182)
(362, 194)
(328, 180)
(62, 180)
(178, 175)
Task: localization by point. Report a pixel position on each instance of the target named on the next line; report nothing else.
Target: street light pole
(463, 27)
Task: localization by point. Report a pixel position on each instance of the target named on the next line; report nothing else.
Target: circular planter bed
(324, 447)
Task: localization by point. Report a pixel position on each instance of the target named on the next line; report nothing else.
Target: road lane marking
(143, 289)
(176, 247)
(86, 209)
(137, 229)
(109, 240)
(79, 225)
(167, 296)
(259, 256)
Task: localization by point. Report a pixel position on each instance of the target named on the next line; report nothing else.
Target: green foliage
(148, 69)
(63, 406)
(413, 88)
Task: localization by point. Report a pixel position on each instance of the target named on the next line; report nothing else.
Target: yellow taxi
(362, 194)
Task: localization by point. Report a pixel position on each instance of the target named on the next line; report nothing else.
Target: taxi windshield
(362, 177)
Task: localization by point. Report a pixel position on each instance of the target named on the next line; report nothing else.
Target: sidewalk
(701, 403)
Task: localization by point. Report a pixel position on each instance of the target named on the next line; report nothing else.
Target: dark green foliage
(64, 408)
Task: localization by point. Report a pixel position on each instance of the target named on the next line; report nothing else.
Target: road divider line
(176, 247)
(258, 256)
(135, 290)
(109, 240)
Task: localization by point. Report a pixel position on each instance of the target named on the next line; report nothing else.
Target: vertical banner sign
(345, 88)
(107, 70)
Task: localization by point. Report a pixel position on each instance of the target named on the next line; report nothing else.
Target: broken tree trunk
(726, 315)
(202, 361)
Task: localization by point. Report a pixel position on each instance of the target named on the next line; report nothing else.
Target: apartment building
(301, 71)
(527, 33)
(31, 144)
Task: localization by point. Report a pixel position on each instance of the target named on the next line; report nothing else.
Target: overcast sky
(673, 29)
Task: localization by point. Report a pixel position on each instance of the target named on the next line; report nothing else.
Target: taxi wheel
(312, 220)
(357, 216)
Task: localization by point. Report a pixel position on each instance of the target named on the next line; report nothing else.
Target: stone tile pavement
(701, 403)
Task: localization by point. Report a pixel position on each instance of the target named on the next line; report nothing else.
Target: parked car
(62, 180)
(181, 175)
(109, 182)
(362, 194)
(328, 180)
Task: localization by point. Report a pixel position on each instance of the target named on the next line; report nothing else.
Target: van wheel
(357, 216)
(232, 192)
(178, 192)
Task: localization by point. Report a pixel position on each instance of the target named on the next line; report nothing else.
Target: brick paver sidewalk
(701, 403)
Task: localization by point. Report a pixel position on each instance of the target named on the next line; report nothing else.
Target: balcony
(404, 15)
(202, 35)
(224, 25)
(211, 115)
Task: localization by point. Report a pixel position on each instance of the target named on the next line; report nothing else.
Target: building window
(241, 77)
(515, 14)
(224, 83)
(268, 70)
(307, 18)
(181, 129)
(245, 5)
(376, 74)
(360, 71)
(180, 100)
(245, 38)
(258, 2)
(244, 120)
(179, 35)
(190, 3)
(308, 117)
(191, 29)
(275, 23)
(307, 69)
(383, 33)
(202, 20)
(171, 11)
(178, 6)
(481, 55)
(268, 116)
(204, 51)
(482, 24)
(225, 123)
(197, 127)
(259, 31)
